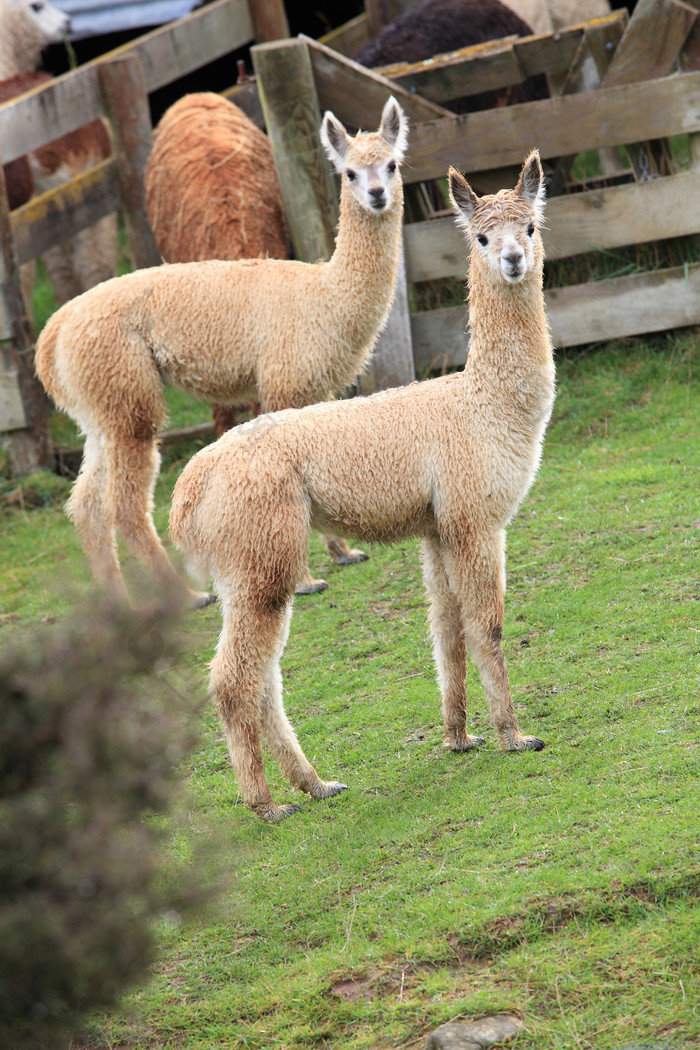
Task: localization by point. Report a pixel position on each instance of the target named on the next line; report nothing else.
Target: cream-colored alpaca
(448, 460)
(280, 332)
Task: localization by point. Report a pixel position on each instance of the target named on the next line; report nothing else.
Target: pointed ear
(394, 128)
(530, 184)
(335, 141)
(463, 198)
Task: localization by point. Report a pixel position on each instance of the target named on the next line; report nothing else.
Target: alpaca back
(211, 187)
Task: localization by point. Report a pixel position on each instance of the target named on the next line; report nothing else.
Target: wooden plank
(575, 223)
(12, 415)
(391, 363)
(57, 215)
(497, 64)
(559, 126)
(348, 38)
(652, 41)
(293, 119)
(269, 20)
(586, 313)
(74, 99)
(126, 105)
(356, 95)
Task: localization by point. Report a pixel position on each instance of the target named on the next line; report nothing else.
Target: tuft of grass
(560, 886)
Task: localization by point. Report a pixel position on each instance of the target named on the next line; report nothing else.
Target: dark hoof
(336, 789)
(289, 809)
(534, 743)
(460, 746)
(353, 558)
(311, 587)
(203, 600)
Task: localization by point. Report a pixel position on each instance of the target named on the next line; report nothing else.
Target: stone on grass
(474, 1035)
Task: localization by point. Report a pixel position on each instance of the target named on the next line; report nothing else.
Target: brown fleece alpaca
(280, 332)
(448, 460)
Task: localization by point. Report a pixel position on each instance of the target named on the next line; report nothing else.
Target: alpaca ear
(335, 141)
(530, 184)
(394, 128)
(463, 198)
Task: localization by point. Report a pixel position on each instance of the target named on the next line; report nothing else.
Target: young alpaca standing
(281, 332)
(448, 460)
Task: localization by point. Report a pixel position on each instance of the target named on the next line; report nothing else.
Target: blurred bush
(90, 737)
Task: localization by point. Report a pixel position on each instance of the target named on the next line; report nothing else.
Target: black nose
(377, 193)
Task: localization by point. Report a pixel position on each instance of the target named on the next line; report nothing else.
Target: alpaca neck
(17, 56)
(510, 353)
(365, 263)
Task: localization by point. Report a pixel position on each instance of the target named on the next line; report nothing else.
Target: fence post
(24, 406)
(293, 119)
(269, 20)
(123, 85)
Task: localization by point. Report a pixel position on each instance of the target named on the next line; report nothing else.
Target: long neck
(20, 52)
(509, 374)
(365, 263)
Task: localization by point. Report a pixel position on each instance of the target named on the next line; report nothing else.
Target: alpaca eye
(483, 241)
(531, 229)
(36, 8)
(351, 176)
(391, 167)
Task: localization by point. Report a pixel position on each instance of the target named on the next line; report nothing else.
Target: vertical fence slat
(29, 447)
(126, 104)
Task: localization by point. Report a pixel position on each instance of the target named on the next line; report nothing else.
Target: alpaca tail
(45, 355)
(184, 530)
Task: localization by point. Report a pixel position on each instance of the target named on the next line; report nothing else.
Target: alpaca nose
(513, 257)
(377, 193)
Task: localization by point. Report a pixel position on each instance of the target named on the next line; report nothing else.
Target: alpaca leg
(448, 649)
(134, 467)
(476, 573)
(341, 553)
(250, 642)
(93, 516)
(280, 735)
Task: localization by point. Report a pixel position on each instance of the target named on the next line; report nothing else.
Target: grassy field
(560, 886)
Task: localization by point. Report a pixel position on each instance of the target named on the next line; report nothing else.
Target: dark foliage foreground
(83, 763)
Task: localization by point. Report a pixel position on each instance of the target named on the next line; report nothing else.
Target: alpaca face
(51, 22)
(504, 227)
(369, 163)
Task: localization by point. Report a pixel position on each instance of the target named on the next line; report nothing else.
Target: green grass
(560, 886)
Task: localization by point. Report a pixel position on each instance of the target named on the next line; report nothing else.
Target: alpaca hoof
(200, 601)
(272, 813)
(351, 558)
(311, 586)
(528, 743)
(328, 788)
(463, 743)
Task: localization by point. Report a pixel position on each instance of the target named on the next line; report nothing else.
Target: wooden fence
(619, 81)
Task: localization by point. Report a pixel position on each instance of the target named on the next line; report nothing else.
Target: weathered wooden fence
(116, 88)
(619, 82)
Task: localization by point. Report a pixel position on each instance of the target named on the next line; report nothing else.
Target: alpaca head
(369, 162)
(47, 21)
(503, 227)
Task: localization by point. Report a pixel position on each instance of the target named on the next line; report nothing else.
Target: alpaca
(27, 26)
(212, 191)
(91, 255)
(279, 331)
(448, 460)
(438, 26)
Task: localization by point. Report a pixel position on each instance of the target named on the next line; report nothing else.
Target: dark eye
(36, 8)
(351, 175)
(391, 166)
(483, 241)
(531, 229)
